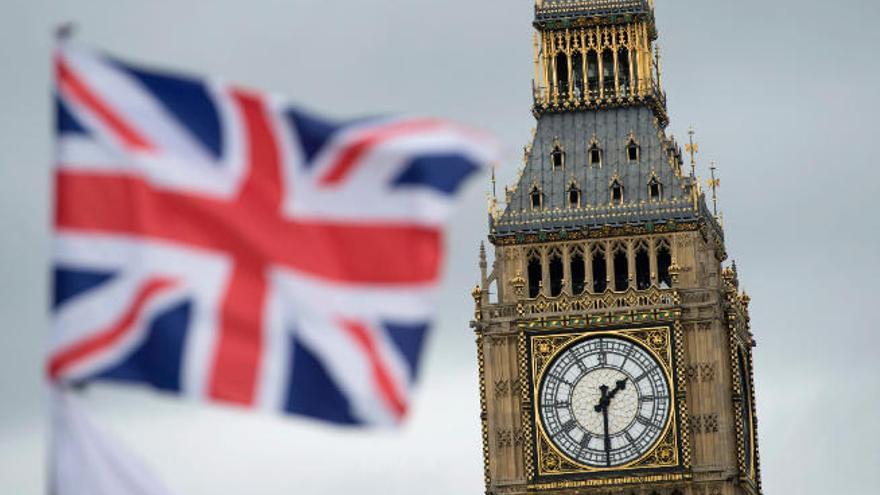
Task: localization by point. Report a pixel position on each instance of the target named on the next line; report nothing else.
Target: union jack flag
(220, 244)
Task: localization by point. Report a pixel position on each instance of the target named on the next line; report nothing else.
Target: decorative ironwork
(632, 299)
(565, 9)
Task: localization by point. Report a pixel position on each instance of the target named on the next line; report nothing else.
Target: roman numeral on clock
(644, 375)
(647, 422)
(568, 426)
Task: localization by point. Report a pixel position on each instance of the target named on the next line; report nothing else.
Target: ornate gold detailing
(653, 297)
(484, 412)
(594, 8)
(692, 148)
(527, 419)
(571, 67)
(681, 393)
(614, 179)
(602, 232)
(611, 482)
(714, 183)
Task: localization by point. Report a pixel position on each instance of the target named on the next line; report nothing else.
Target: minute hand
(602, 407)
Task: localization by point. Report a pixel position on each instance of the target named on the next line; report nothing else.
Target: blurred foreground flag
(220, 244)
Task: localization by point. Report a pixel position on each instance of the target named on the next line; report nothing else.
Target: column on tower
(569, 80)
(600, 55)
(545, 272)
(652, 259)
(567, 286)
(616, 54)
(545, 53)
(630, 51)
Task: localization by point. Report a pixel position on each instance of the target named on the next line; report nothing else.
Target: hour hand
(621, 385)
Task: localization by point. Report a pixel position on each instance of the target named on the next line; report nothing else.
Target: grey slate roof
(660, 157)
(572, 9)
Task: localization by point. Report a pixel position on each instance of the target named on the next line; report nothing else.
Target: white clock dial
(605, 401)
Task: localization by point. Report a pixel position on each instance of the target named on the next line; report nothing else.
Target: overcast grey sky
(783, 94)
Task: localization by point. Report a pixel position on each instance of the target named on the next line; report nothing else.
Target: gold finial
(692, 149)
(714, 183)
(727, 274)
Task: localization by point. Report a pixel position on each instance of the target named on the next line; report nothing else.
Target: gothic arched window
(593, 73)
(537, 198)
(578, 271)
(557, 157)
(616, 192)
(623, 71)
(633, 150)
(595, 153)
(562, 74)
(535, 274)
(574, 197)
(655, 190)
(621, 269)
(577, 73)
(600, 270)
(556, 273)
(608, 72)
(643, 267)
(664, 261)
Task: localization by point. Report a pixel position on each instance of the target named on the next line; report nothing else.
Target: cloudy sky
(784, 95)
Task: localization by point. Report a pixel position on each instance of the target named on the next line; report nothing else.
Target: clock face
(604, 402)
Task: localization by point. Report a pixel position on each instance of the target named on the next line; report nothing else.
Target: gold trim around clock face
(658, 342)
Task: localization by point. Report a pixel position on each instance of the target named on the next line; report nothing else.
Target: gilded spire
(714, 183)
(692, 149)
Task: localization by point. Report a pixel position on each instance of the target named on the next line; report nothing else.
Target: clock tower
(614, 344)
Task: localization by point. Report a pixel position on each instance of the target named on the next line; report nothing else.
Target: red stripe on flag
(382, 379)
(239, 349)
(240, 343)
(76, 88)
(357, 253)
(367, 142)
(104, 339)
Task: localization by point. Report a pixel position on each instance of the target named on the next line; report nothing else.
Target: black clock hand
(607, 436)
(602, 407)
(621, 386)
